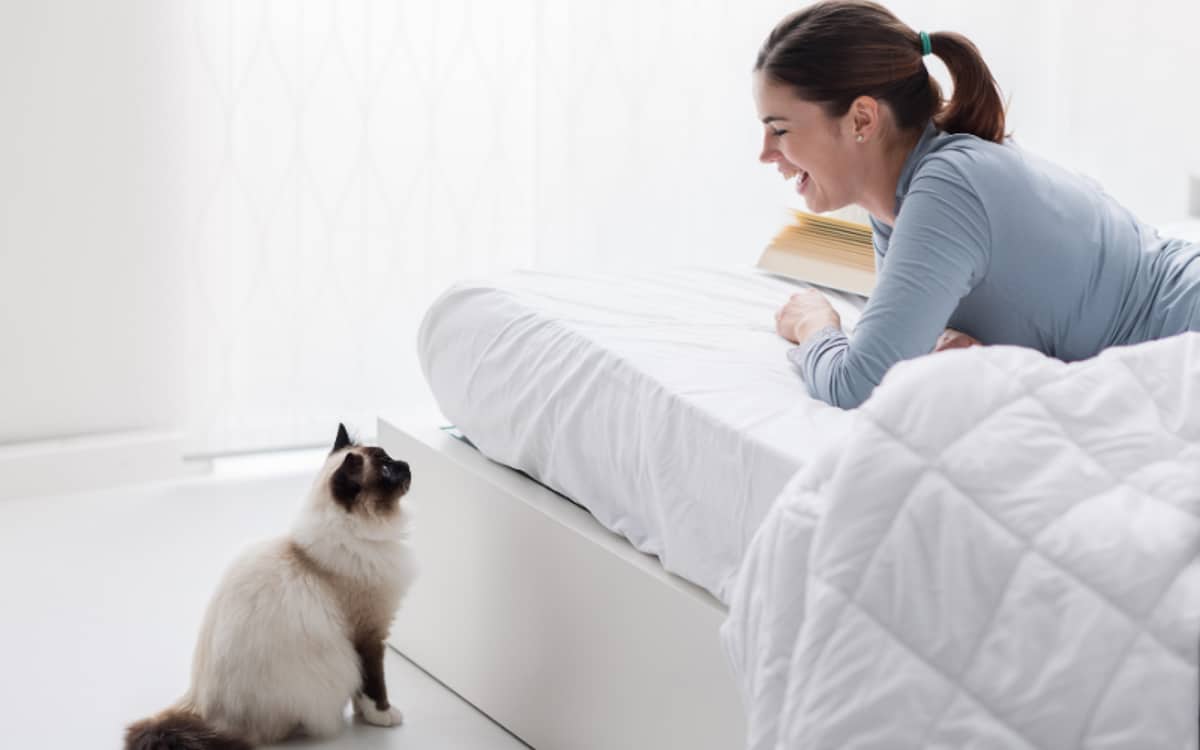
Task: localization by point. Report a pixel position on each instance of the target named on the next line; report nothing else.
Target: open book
(822, 250)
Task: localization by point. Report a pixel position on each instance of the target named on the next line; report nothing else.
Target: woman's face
(807, 146)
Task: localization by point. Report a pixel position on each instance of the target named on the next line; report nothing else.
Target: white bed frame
(554, 627)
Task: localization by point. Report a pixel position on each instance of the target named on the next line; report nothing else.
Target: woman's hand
(952, 339)
(805, 313)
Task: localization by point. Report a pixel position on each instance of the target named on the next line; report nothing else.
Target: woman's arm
(937, 253)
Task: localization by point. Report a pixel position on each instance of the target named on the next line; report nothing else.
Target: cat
(297, 625)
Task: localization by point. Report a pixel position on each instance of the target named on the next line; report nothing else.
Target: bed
(663, 403)
(719, 517)
(663, 406)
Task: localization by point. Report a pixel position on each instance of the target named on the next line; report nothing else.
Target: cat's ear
(347, 481)
(343, 439)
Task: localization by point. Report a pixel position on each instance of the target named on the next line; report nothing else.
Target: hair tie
(926, 47)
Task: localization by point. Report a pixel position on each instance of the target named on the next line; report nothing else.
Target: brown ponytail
(834, 51)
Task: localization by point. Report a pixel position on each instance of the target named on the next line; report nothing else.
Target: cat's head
(363, 482)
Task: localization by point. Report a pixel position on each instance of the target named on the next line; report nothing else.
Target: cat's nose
(396, 471)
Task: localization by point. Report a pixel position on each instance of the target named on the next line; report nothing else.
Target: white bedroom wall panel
(91, 328)
(373, 152)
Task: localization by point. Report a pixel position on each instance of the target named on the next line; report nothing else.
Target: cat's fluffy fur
(297, 625)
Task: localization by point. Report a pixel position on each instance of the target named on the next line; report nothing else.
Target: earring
(859, 138)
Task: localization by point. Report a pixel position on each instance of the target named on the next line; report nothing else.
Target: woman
(971, 233)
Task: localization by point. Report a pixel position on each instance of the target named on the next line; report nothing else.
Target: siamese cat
(296, 627)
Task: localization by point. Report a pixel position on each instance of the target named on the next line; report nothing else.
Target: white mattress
(662, 402)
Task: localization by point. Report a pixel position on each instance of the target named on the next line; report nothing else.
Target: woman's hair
(834, 51)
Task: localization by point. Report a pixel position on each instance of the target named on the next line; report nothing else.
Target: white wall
(359, 157)
(90, 303)
(1110, 88)
(234, 212)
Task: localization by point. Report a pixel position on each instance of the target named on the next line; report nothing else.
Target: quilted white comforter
(1004, 552)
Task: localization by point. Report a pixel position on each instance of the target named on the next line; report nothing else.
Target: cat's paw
(365, 708)
(390, 717)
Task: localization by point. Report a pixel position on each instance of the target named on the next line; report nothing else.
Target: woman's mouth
(795, 173)
(801, 181)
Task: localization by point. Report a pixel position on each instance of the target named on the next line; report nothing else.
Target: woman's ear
(864, 119)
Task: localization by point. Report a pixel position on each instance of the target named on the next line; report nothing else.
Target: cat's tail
(179, 729)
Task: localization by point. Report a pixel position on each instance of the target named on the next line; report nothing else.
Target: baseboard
(52, 467)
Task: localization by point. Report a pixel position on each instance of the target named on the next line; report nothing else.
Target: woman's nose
(769, 154)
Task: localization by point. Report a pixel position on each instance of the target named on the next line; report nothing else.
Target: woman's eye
(777, 132)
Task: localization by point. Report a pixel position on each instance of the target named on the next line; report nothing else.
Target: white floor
(101, 596)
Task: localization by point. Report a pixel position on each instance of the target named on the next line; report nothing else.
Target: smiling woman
(975, 240)
(844, 130)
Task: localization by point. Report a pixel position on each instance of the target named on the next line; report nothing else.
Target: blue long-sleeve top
(1009, 249)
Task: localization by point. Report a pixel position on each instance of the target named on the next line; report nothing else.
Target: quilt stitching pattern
(955, 684)
(1028, 548)
(1031, 543)
(1137, 623)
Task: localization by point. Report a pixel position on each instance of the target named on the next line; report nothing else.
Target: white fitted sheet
(662, 402)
